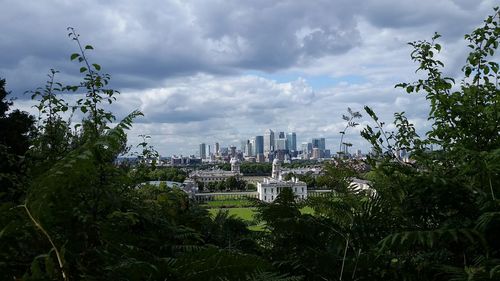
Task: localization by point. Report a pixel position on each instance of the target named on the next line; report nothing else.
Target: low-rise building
(207, 176)
(271, 187)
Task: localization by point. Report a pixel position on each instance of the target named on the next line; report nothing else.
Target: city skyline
(285, 141)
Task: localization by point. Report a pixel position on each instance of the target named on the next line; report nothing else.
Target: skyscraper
(203, 151)
(252, 142)
(248, 149)
(268, 141)
(307, 148)
(322, 144)
(291, 140)
(319, 143)
(280, 144)
(259, 145)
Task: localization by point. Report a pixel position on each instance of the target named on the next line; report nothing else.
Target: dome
(234, 161)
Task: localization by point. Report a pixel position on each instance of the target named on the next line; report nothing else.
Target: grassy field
(235, 203)
(247, 214)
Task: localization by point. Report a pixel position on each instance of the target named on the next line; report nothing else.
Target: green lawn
(235, 203)
(247, 214)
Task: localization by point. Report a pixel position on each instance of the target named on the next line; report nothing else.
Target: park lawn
(247, 215)
(307, 210)
(228, 203)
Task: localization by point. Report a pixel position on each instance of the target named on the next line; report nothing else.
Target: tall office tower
(291, 140)
(315, 143)
(319, 143)
(248, 148)
(322, 144)
(280, 144)
(217, 148)
(259, 145)
(252, 142)
(268, 141)
(203, 151)
(304, 148)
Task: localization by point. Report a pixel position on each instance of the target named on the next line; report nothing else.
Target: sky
(225, 71)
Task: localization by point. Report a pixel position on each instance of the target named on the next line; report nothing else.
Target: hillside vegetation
(68, 212)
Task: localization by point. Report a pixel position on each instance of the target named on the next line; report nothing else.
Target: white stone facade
(271, 187)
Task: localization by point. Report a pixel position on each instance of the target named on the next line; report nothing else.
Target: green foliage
(230, 183)
(250, 169)
(352, 115)
(85, 218)
(445, 200)
(16, 129)
(167, 174)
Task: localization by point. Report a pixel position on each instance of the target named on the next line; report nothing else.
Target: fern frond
(429, 238)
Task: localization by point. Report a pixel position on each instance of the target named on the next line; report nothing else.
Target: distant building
(268, 141)
(259, 145)
(203, 151)
(327, 153)
(184, 160)
(291, 139)
(232, 151)
(260, 158)
(316, 153)
(280, 144)
(272, 186)
(319, 143)
(217, 148)
(207, 176)
(248, 150)
(306, 148)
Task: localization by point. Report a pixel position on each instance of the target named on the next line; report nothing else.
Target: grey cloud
(159, 39)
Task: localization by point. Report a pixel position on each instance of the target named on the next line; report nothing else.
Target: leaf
(74, 56)
(83, 69)
(96, 66)
(89, 47)
(468, 71)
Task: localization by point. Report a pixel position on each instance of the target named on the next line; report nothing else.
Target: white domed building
(272, 186)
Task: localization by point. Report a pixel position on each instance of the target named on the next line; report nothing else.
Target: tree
(447, 199)
(16, 129)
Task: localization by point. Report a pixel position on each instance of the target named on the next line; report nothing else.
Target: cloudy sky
(209, 70)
